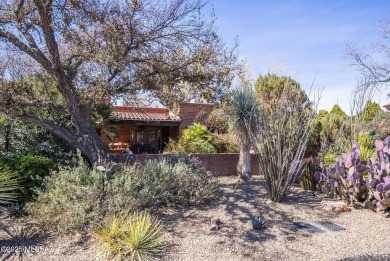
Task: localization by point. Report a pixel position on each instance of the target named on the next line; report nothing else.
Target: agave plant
(257, 222)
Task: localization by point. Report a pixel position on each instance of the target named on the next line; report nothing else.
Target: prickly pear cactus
(367, 182)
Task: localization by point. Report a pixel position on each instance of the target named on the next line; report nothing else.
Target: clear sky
(303, 38)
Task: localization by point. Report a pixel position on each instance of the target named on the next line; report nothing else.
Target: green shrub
(196, 132)
(30, 169)
(70, 200)
(223, 143)
(159, 183)
(78, 198)
(195, 139)
(329, 157)
(136, 237)
(200, 147)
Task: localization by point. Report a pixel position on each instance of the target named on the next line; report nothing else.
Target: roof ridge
(140, 109)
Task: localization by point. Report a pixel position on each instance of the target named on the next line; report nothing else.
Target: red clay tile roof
(143, 114)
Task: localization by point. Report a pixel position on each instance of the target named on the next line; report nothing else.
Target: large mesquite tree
(93, 49)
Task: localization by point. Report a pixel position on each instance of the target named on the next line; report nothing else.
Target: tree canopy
(336, 110)
(374, 63)
(66, 55)
(370, 111)
(271, 87)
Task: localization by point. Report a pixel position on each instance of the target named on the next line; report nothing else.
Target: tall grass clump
(134, 237)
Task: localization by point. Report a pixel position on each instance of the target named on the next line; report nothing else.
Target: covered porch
(141, 131)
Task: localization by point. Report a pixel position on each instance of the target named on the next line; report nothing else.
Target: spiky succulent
(257, 222)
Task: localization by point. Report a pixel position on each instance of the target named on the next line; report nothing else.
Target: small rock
(335, 206)
(215, 221)
(214, 227)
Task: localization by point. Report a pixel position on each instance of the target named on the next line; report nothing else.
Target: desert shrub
(70, 200)
(329, 158)
(78, 198)
(30, 169)
(224, 143)
(158, 183)
(135, 237)
(195, 139)
(218, 119)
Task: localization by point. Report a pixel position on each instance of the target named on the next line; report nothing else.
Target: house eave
(148, 122)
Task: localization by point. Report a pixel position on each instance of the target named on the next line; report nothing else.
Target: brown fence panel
(221, 164)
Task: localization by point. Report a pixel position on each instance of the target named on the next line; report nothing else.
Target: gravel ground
(365, 236)
(366, 233)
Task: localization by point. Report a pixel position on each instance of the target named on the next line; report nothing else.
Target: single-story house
(148, 130)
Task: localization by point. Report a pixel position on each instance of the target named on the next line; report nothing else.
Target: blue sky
(303, 38)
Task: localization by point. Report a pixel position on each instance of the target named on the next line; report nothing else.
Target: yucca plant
(243, 111)
(133, 237)
(8, 188)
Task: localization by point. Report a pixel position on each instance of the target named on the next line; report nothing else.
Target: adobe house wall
(193, 112)
(221, 164)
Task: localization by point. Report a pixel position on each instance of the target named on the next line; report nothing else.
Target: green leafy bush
(30, 169)
(195, 139)
(78, 198)
(27, 138)
(136, 237)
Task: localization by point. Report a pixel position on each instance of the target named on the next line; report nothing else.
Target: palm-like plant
(8, 187)
(243, 111)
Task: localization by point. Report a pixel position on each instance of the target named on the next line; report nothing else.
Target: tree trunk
(85, 137)
(89, 142)
(244, 161)
(92, 146)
